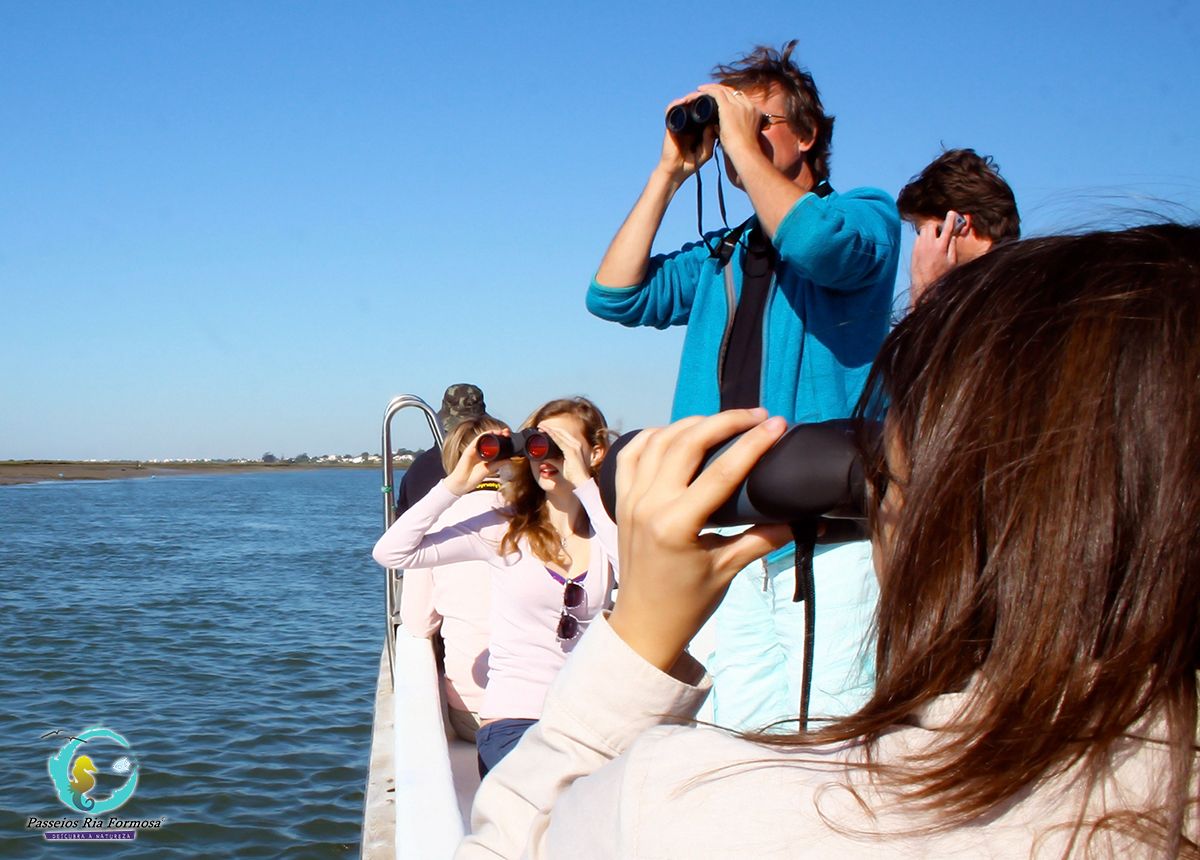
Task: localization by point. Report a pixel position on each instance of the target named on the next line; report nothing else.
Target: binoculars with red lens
(531, 443)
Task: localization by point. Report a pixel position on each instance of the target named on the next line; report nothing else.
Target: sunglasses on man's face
(770, 119)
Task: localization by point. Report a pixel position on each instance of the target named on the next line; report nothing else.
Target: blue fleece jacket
(827, 312)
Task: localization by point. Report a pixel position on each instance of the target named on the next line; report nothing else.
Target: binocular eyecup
(813, 472)
(531, 443)
(689, 119)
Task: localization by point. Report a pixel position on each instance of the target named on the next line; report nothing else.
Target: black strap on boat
(805, 535)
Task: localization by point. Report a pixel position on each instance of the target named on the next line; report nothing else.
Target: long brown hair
(1046, 400)
(527, 517)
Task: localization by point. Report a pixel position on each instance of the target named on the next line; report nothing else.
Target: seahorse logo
(82, 781)
(74, 776)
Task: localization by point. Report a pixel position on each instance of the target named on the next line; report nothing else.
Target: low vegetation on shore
(35, 471)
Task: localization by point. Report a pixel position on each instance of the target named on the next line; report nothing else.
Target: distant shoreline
(38, 471)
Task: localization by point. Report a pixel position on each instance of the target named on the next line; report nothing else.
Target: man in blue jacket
(785, 311)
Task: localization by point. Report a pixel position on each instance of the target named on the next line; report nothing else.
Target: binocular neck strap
(805, 535)
(715, 252)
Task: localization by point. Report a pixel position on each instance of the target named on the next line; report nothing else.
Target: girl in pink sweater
(553, 554)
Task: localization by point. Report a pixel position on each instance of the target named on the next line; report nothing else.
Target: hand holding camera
(672, 575)
(813, 472)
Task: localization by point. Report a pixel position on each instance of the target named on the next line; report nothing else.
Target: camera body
(688, 120)
(813, 472)
(530, 442)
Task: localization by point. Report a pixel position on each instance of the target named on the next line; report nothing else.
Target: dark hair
(968, 183)
(765, 67)
(527, 501)
(1045, 403)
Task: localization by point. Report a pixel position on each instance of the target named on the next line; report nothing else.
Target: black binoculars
(688, 120)
(812, 472)
(531, 443)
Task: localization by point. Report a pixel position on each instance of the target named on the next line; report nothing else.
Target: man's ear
(976, 244)
(805, 145)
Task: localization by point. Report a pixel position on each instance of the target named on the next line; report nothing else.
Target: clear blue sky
(229, 228)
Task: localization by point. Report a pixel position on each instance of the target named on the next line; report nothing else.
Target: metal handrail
(395, 578)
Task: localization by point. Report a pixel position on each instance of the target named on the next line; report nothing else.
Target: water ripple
(228, 626)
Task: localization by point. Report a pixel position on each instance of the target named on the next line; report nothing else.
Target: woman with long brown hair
(1037, 496)
(553, 554)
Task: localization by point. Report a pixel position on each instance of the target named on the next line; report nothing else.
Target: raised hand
(471, 468)
(935, 252)
(740, 119)
(672, 576)
(576, 455)
(680, 159)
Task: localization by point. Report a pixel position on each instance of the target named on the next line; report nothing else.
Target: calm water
(229, 627)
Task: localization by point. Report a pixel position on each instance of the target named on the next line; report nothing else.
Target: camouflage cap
(462, 401)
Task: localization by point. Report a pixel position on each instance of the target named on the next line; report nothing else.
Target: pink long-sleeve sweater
(525, 652)
(457, 600)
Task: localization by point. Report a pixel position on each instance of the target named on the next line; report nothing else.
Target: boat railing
(394, 580)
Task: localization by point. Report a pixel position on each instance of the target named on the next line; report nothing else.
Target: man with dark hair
(785, 311)
(960, 207)
(460, 402)
(789, 308)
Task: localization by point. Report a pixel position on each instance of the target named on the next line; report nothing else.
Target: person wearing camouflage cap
(462, 401)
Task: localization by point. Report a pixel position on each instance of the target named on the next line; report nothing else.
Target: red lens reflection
(488, 446)
(537, 446)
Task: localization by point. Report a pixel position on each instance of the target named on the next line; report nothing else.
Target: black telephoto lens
(813, 472)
